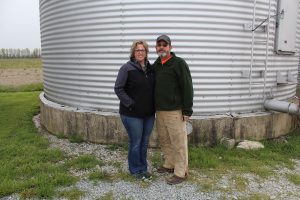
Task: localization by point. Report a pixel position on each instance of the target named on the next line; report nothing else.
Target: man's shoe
(162, 169)
(173, 180)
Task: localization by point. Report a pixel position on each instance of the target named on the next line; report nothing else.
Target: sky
(19, 24)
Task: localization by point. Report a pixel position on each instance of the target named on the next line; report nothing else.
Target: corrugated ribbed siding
(84, 43)
(298, 40)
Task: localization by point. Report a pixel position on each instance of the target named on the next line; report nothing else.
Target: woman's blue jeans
(139, 131)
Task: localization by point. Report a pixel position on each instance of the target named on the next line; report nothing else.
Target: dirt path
(20, 76)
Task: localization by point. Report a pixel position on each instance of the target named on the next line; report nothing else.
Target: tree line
(20, 53)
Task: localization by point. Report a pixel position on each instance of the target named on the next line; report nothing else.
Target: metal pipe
(281, 106)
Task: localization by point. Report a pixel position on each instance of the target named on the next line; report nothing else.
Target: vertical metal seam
(252, 47)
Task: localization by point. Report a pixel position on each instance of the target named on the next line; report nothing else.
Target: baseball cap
(164, 38)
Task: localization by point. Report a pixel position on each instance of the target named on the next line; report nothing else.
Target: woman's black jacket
(135, 89)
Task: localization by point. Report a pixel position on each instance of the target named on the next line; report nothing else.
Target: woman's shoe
(147, 175)
(139, 176)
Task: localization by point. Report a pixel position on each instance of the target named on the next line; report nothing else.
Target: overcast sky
(19, 24)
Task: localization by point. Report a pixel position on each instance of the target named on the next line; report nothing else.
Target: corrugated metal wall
(298, 40)
(84, 43)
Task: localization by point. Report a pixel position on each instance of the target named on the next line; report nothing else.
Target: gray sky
(19, 24)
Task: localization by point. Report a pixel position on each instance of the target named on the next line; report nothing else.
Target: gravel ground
(276, 186)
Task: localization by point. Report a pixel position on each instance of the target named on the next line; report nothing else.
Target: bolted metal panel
(84, 43)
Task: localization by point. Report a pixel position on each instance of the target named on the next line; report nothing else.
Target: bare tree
(20, 53)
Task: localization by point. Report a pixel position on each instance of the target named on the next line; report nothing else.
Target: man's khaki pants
(173, 140)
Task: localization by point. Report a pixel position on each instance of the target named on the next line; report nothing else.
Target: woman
(134, 87)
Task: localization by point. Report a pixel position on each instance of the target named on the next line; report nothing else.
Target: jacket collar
(158, 60)
(135, 64)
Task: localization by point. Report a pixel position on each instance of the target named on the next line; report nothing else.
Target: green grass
(240, 183)
(114, 147)
(100, 176)
(76, 138)
(84, 162)
(156, 158)
(27, 166)
(107, 196)
(73, 138)
(72, 194)
(206, 187)
(115, 164)
(260, 162)
(61, 136)
(294, 178)
(22, 88)
(20, 63)
(256, 196)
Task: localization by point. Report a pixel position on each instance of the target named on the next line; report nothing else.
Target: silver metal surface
(282, 106)
(189, 128)
(84, 43)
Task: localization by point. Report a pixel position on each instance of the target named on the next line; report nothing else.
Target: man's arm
(187, 91)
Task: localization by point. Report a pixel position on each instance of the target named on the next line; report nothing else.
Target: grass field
(29, 168)
(20, 72)
(27, 165)
(22, 88)
(21, 63)
(261, 162)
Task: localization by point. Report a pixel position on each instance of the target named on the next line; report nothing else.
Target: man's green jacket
(173, 86)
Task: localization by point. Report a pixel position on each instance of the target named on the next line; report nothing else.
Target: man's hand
(185, 118)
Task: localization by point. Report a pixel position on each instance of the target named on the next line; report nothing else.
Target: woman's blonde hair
(134, 45)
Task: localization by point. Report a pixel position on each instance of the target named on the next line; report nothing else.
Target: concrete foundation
(107, 128)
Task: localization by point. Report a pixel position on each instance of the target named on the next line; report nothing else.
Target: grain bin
(240, 53)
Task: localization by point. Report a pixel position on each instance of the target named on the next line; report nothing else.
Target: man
(173, 102)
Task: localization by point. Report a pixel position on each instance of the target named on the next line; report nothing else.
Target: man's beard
(162, 54)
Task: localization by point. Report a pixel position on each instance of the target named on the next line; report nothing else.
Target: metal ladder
(266, 41)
